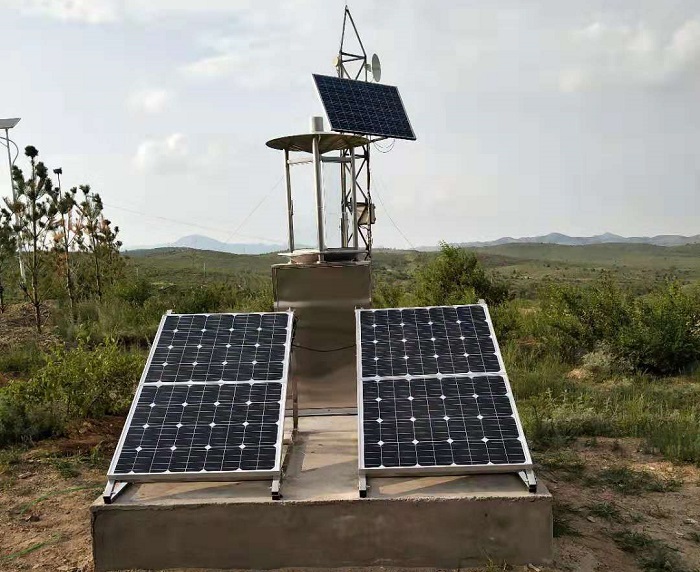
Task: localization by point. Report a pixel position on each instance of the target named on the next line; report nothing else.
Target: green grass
(606, 510)
(33, 548)
(629, 481)
(652, 554)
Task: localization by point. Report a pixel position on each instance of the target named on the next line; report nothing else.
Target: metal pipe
(14, 199)
(355, 222)
(343, 207)
(318, 181)
(290, 203)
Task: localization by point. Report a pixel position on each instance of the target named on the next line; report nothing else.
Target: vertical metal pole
(355, 222)
(343, 204)
(290, 204)
(318, 181)
(14, 198)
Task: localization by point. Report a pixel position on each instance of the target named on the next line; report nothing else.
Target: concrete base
(424, 522)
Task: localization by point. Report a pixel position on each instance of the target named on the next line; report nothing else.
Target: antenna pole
(318, 181)
(290, 204)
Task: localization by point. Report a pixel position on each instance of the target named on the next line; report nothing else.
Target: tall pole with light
(8, 124)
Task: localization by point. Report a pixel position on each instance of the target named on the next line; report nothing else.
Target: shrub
(663, 332)
(83, 381)
(455, 276)
(134, 292)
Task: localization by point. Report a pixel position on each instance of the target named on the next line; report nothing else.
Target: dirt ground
(45, 494)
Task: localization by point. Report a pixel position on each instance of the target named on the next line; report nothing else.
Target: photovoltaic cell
(214, 347)
(365, 108)
(431, 422)
(211, 399)
(434, 394)
(210, 428)
(426, 341)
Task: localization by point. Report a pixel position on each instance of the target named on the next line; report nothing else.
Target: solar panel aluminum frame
(365, 472)
(239, 475)
(373, 137)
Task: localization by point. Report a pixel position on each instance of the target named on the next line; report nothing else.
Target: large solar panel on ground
(434, 395)
(211, 401)
(361, 107)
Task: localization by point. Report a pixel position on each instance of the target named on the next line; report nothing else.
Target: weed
(66, 468)
(630, 481)
(562, 513)
(653, 554)
(33, 548)
(566, 462)
(607, 510)
(657, 511)
(632, 541)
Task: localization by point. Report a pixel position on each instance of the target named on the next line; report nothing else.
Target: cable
(413, 247)
(16, 149)
(386, 149)
(251, 213)
(322, 351)
(182, 222)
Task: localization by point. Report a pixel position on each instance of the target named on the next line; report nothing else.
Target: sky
(532, 117)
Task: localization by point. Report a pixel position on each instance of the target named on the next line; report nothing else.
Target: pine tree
(33, 219)
(66, 238)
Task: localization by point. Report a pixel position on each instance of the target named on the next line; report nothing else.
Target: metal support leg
(530, 480)
(362, 486)
(112, 490)
(275, 489)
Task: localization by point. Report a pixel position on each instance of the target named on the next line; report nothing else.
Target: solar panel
(361, 107)
(426, 342)
(433, 395)
(210, 405)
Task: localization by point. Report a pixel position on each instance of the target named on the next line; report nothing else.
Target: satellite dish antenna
(376, 68)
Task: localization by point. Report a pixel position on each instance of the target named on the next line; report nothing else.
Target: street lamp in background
(8, 124)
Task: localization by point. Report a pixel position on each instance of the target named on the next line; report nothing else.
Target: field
(601, 346)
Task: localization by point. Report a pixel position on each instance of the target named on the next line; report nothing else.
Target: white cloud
(152, 100)
(88, 11)
(178, 152)
(160, 155)
(624, 55)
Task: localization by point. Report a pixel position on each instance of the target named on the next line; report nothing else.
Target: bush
(662, 334)
(657, 333)
(83, 381)
(455, 276)
(134, 292)
(21, 422)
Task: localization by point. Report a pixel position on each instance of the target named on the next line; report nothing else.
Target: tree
(33, 220)
(456, 276)
(98, 239)
(66, 238)
(8, 250)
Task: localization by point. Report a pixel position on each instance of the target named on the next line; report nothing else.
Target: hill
(606, 238)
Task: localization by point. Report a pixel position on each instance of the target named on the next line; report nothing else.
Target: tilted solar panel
(365, 108)
(211, 402)
(426, 341)
(434, 395)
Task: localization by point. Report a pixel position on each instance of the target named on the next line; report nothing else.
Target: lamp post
(8, 124)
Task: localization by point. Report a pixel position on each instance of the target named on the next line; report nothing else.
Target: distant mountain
(199, 242)
(606, 238)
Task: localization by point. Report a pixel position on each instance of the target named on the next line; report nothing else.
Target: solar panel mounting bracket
(112, 490)
(530, 480)
(362, 486)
